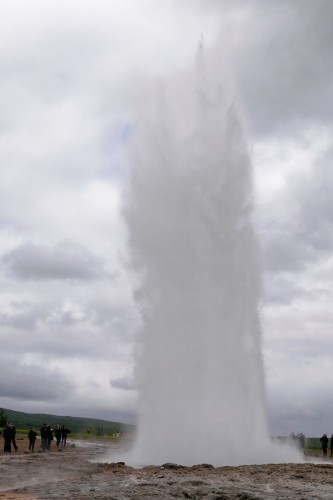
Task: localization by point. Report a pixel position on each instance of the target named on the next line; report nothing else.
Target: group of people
(61, 433)
(46, 435)
(324, 444)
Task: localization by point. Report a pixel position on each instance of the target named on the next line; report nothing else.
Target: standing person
(50, 437)
(7, 448)
(12, 432)
(324, 444)
(44, 436)
(64, 432)
(332, 445)
(32, 438)
(57, 432)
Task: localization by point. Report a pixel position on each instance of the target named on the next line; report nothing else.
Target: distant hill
(23, 420)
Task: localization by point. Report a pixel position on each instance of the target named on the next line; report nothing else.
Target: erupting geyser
(189, 211)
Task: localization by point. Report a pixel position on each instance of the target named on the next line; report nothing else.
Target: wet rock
(247, 496)
(171, 466)
(186, 494)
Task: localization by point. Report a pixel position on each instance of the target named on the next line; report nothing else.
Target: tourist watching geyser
(32, 435)
(324, 444)
(45, 431)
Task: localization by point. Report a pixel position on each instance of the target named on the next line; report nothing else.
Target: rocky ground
(79, 472)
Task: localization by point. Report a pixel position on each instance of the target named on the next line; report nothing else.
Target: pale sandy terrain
(69, 473)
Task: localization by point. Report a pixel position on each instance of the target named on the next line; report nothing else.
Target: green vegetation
(78, 425)
(313, 443)
(3, 417)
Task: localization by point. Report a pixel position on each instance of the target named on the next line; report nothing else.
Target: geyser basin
(189, 210)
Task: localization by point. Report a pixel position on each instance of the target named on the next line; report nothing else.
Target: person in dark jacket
(50, 438)
(12, 433)
(7, 439)
(64, 432)
(324, 444)
(44, 436)
(332, 445)
(32, 438)
(57, 433)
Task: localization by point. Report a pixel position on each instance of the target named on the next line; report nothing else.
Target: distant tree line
(78, 425)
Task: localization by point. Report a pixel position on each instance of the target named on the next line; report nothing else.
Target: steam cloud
(189, 210)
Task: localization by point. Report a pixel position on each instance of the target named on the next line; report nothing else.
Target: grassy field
(313, 443)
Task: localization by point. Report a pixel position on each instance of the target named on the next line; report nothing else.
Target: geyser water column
(189, 210)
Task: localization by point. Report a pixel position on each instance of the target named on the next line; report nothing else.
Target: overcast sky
(72, 77)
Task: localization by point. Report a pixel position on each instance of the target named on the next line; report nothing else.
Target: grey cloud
(31, 383)
(64, 261)
(285, 251)
(280, 288)
(105, 412)
(284, 69)
(286, 247)
(28, 315)
(283, 420)
(310, 415)
(122, 319)
(24, 315)
(126, 383)
(79, 342)
(56, 330)
(306, 351)
(303, 234)
(315, 200)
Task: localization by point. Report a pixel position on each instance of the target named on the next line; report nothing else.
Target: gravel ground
(79, 472)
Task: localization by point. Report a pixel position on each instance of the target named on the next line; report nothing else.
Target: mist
(189, 208)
